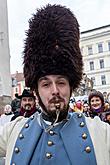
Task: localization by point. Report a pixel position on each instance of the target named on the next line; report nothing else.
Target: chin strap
(57, 116)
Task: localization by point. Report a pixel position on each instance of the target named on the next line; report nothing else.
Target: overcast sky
(90, 14)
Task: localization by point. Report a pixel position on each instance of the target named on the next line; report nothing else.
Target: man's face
(85, 107)
(108, 117)
(95, 102)
(7, 109)
(27, 103)
(53, 90)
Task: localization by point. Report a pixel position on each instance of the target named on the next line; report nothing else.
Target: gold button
(84, 136)
(16, 150)
(26, 125)
(88, 149)
(48, 155)
(79, 115)
(50, 143)
(51, 133)
(82, 124)
(32, 117)
(21, 136)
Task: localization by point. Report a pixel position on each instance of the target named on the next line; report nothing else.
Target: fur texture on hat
(97, 94)
(52, 46)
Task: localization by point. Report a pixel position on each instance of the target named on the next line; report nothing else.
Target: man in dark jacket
(28, 104)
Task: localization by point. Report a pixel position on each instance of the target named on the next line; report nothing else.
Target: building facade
(18, 83)
(95, 48)
(5, 77)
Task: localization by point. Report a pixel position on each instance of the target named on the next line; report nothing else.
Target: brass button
(88, 149)
(48, 155)
(21, 136)
(32, 117)
(82, 124)
(51, 133)
(84, 136)
(79, 115)
(50, 143)
(26, 125)
(16, 150)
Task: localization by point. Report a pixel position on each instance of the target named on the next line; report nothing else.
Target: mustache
(56, 99)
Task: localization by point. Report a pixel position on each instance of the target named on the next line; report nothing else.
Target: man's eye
(61, 82)
(45, 84)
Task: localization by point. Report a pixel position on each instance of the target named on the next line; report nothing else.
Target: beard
(56, 106)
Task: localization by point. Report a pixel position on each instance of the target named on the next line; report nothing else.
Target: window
(109, 45)
(100, 48)
(93, 80)
(90, 51)
(103, 80)
(91, 65)
(16, 90)
(101, 63)
(14, 82)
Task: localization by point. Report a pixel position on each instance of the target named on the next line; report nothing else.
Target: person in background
(107, 116)
(96, 103)
(28, 104)
(71, 104)
(15, 104)
(53, 68)
(8, 114)
(78, 107)
(86, 109)
(106, 105)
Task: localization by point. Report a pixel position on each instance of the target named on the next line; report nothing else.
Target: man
(6, 117)
(107, 116)
(28, 104)
(86, 109)
(53, 68)
(15, 104)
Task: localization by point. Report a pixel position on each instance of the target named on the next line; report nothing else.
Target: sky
(90, 14)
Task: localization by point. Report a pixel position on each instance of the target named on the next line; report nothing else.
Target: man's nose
(55, 90)
(27, 101)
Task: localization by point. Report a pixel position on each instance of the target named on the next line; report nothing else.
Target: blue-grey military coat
(77, 141)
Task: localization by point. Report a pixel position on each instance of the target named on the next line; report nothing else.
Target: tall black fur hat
(52, 46)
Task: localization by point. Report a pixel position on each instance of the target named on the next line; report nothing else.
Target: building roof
(98, 28)
(18, 76)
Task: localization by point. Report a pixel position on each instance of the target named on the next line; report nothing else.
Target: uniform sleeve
(108, 137)
(5, 133)
(100, 134)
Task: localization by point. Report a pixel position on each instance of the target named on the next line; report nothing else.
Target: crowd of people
(25, 105)
(53, 69)
(94, 105)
